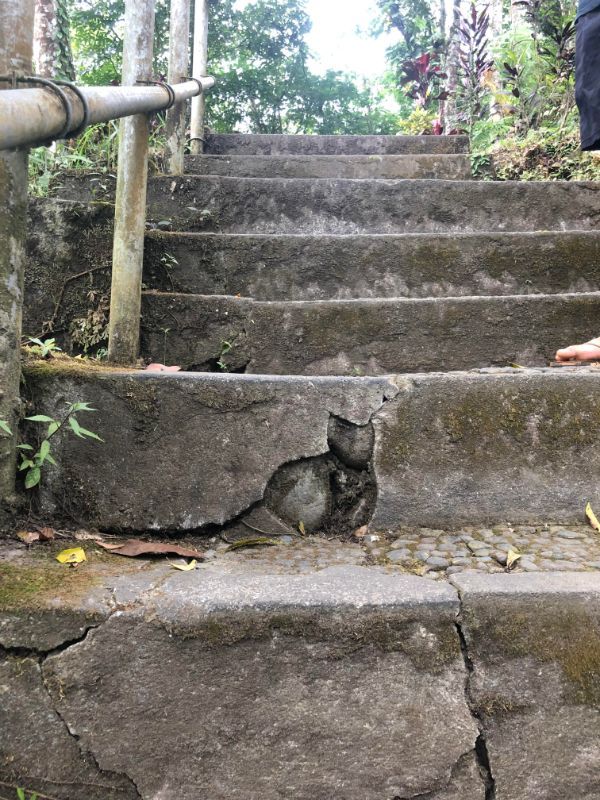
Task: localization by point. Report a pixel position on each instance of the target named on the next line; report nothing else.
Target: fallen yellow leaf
(74, 555)
(593, 519)
(512, 558)
(301, 528)
(185, 567)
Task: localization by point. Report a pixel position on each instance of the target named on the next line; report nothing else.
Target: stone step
(297, 206)
(277, 144)
(329, 267)
(154, 684)
(362, 337)
(183, 452)
(443, 166)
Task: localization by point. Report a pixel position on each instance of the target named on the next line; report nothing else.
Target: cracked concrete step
(444, 166)
(261, 682)
(362, 337)
(444, 450)
(534, 644)
(289, 205)
(277, 144)
(269, 267)
(229, 684)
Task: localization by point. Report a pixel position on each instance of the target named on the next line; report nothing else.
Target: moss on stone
(37, 586)
(344, 633)
(567, 634)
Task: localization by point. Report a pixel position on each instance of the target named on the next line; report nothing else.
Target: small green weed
(43, 348)
(34, 460)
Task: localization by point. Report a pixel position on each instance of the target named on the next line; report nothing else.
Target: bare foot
(590, 351)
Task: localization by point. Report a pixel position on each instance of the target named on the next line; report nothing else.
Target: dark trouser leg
(587, 79)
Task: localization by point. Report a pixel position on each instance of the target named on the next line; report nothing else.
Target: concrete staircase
(350, 336)
(419, 314)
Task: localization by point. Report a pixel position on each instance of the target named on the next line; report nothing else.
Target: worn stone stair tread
(365, 336)
(452, 448)
(324, 206)
(277, 144)
(321, 267)
(304, 266)
(446, 166)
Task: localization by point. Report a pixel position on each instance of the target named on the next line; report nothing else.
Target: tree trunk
(52, 42)
(452, 66)
(15, 53)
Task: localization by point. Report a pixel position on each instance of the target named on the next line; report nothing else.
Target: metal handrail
(31, 116)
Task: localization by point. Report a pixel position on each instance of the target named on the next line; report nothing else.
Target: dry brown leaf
(109, 545)
(28, 537)
(592, 518)
(136, 547)
(361, 532)
(47, 534)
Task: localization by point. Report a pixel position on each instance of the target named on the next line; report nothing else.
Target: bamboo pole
(200, 67)
(130, 201)
(179, 64)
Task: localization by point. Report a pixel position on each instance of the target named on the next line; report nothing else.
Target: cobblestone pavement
(438, 553)
(432, 553)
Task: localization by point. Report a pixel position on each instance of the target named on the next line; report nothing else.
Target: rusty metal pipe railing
(30, 116)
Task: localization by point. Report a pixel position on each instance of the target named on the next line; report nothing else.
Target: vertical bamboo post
(16, 45)
(179, 67)
(130, 202)
(200, 68)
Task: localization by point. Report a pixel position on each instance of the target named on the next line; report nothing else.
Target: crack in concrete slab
(481, 751)
(85, 753)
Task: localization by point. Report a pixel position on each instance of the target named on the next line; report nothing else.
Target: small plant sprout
(32, 460)
(43, 348)
(22, 795)
(225, 348)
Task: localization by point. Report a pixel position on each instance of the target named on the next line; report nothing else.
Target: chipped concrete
(235, 432)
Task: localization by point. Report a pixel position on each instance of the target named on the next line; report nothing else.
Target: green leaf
(33, 477)
(26, 464)
(4, 427)
(81, 407)
(43, 452)
(40, 418)
(50, 460)
(24, 447)
(52, 428)
(75, 427)
(90, 434)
